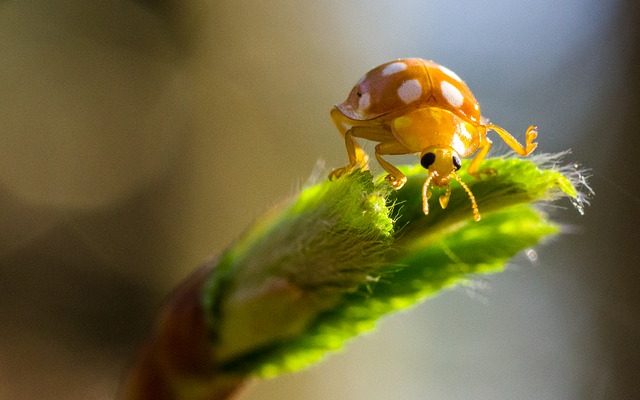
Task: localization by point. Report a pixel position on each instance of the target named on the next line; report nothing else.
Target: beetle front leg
(396, 178)
(474, 168)
(357, 157)
(344, 125)
(530, 135)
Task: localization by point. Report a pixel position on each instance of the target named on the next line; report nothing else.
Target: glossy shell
(399, 86)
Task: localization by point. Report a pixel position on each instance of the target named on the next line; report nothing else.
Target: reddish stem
(178, 362)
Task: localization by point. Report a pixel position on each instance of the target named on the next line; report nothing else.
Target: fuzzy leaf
(345, 253)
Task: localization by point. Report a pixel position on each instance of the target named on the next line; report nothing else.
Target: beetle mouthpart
(426, 193)
(444, 199)
(474, 205)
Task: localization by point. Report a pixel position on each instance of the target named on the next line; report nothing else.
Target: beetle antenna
(474, 205)
(425, 192)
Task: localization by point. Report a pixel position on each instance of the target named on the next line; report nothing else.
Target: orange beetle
(412, 105)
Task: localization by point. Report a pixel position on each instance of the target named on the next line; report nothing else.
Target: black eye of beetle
(456, 162)
(358, 94)
(427, 160)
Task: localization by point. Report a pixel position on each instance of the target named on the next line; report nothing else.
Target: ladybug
(416, 106)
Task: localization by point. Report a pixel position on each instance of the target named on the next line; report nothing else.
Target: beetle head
(441, 162)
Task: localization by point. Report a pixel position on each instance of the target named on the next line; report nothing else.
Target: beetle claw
(338, 172)
(396, 183)
(530, 135)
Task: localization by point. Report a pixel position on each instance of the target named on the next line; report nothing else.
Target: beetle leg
(357, 157)
(474, 167)
(396, 178)
(356, 154)
(530, 135)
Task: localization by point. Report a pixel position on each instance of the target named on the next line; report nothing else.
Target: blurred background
(137, 138)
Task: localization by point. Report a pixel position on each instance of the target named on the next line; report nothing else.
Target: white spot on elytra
(393, 68)
(410, 91)
(451, 94)
(364, 102)
(450, 73)
(464, 132)
(457, 144)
